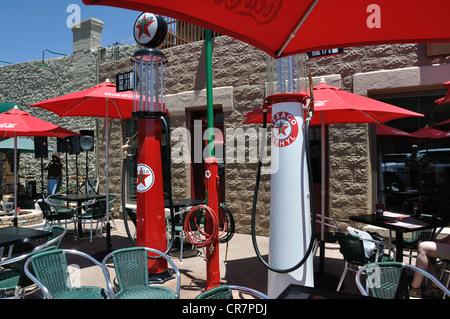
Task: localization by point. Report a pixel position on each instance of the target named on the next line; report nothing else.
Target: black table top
(304, 292)
(78, 197)
(13, 235)
(183, 202)
(404, 225)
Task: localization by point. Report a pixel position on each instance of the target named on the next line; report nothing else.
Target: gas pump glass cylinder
(149, 66)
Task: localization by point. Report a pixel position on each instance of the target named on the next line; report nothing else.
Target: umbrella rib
(299, 24)
(76, 105)
(117, 108)
(371, 117)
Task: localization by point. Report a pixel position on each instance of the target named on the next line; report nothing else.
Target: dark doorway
(198, 123)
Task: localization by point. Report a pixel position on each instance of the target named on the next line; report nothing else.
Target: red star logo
(281, 129)
(141, 178)
(143, 27)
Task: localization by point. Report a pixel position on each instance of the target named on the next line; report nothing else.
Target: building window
(400, 184)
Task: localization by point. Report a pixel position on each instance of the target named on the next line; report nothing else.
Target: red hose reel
(193, 229)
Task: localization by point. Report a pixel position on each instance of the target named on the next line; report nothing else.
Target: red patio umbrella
(91, 102)
(444, 125)
(427, 132)
(446, 98)
(14, 123)
(287, 27)
(443, 136)
(388, 133)
(102, 100)
(340, 106)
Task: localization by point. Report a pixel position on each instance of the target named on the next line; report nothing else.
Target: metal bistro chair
(226, 292)
(50, 271)
(13, 281)
(53, 217)
(60, 206)
(388, 280)
(352, 248)
(443, 266)
(131, 266)
(329, 236)
(53, 241)
(411, 244)
(179, 228)
(94, 211)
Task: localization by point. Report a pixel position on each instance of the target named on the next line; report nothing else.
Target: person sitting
(427, 252)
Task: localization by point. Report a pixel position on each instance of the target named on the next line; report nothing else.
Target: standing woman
(54, 180)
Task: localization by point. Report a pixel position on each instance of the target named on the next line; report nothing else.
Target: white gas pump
(290, 212)
(292, 219)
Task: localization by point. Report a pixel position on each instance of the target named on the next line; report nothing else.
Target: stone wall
(28, 83)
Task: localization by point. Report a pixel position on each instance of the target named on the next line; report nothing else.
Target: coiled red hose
(192, 225)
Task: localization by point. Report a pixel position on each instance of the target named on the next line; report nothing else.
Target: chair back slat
(352, 248)
(52, 271)
(387, 282)
(45, 209)
(132, 268)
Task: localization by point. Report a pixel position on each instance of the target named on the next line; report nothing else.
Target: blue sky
(28, 27)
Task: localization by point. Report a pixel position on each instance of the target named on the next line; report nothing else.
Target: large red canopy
(92, 102)
(16, 122)
(287, 27)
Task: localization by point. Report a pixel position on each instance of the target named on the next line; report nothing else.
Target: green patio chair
(226, 292)
(51, 242)
(53, 217)
(352, 249)
(60, 206)
(179, 228)
(412, 243)
(50, 271)
(14, 283)
(54, 240)
(94, 211)
(131, 266)
(388, 280)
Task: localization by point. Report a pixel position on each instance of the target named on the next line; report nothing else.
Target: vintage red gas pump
(148, 108)
(212, 220)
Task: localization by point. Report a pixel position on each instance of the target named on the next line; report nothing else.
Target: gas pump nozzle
(127, 144)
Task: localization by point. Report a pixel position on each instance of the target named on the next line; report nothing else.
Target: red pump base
(212, 252)
(150, 218)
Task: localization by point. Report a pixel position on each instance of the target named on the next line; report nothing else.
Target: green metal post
(209, 90)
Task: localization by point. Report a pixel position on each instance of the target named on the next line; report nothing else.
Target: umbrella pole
(101, 254)
(67, 175)
(108, 226)
(42, 176)
(322, 198)
(15, 179)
